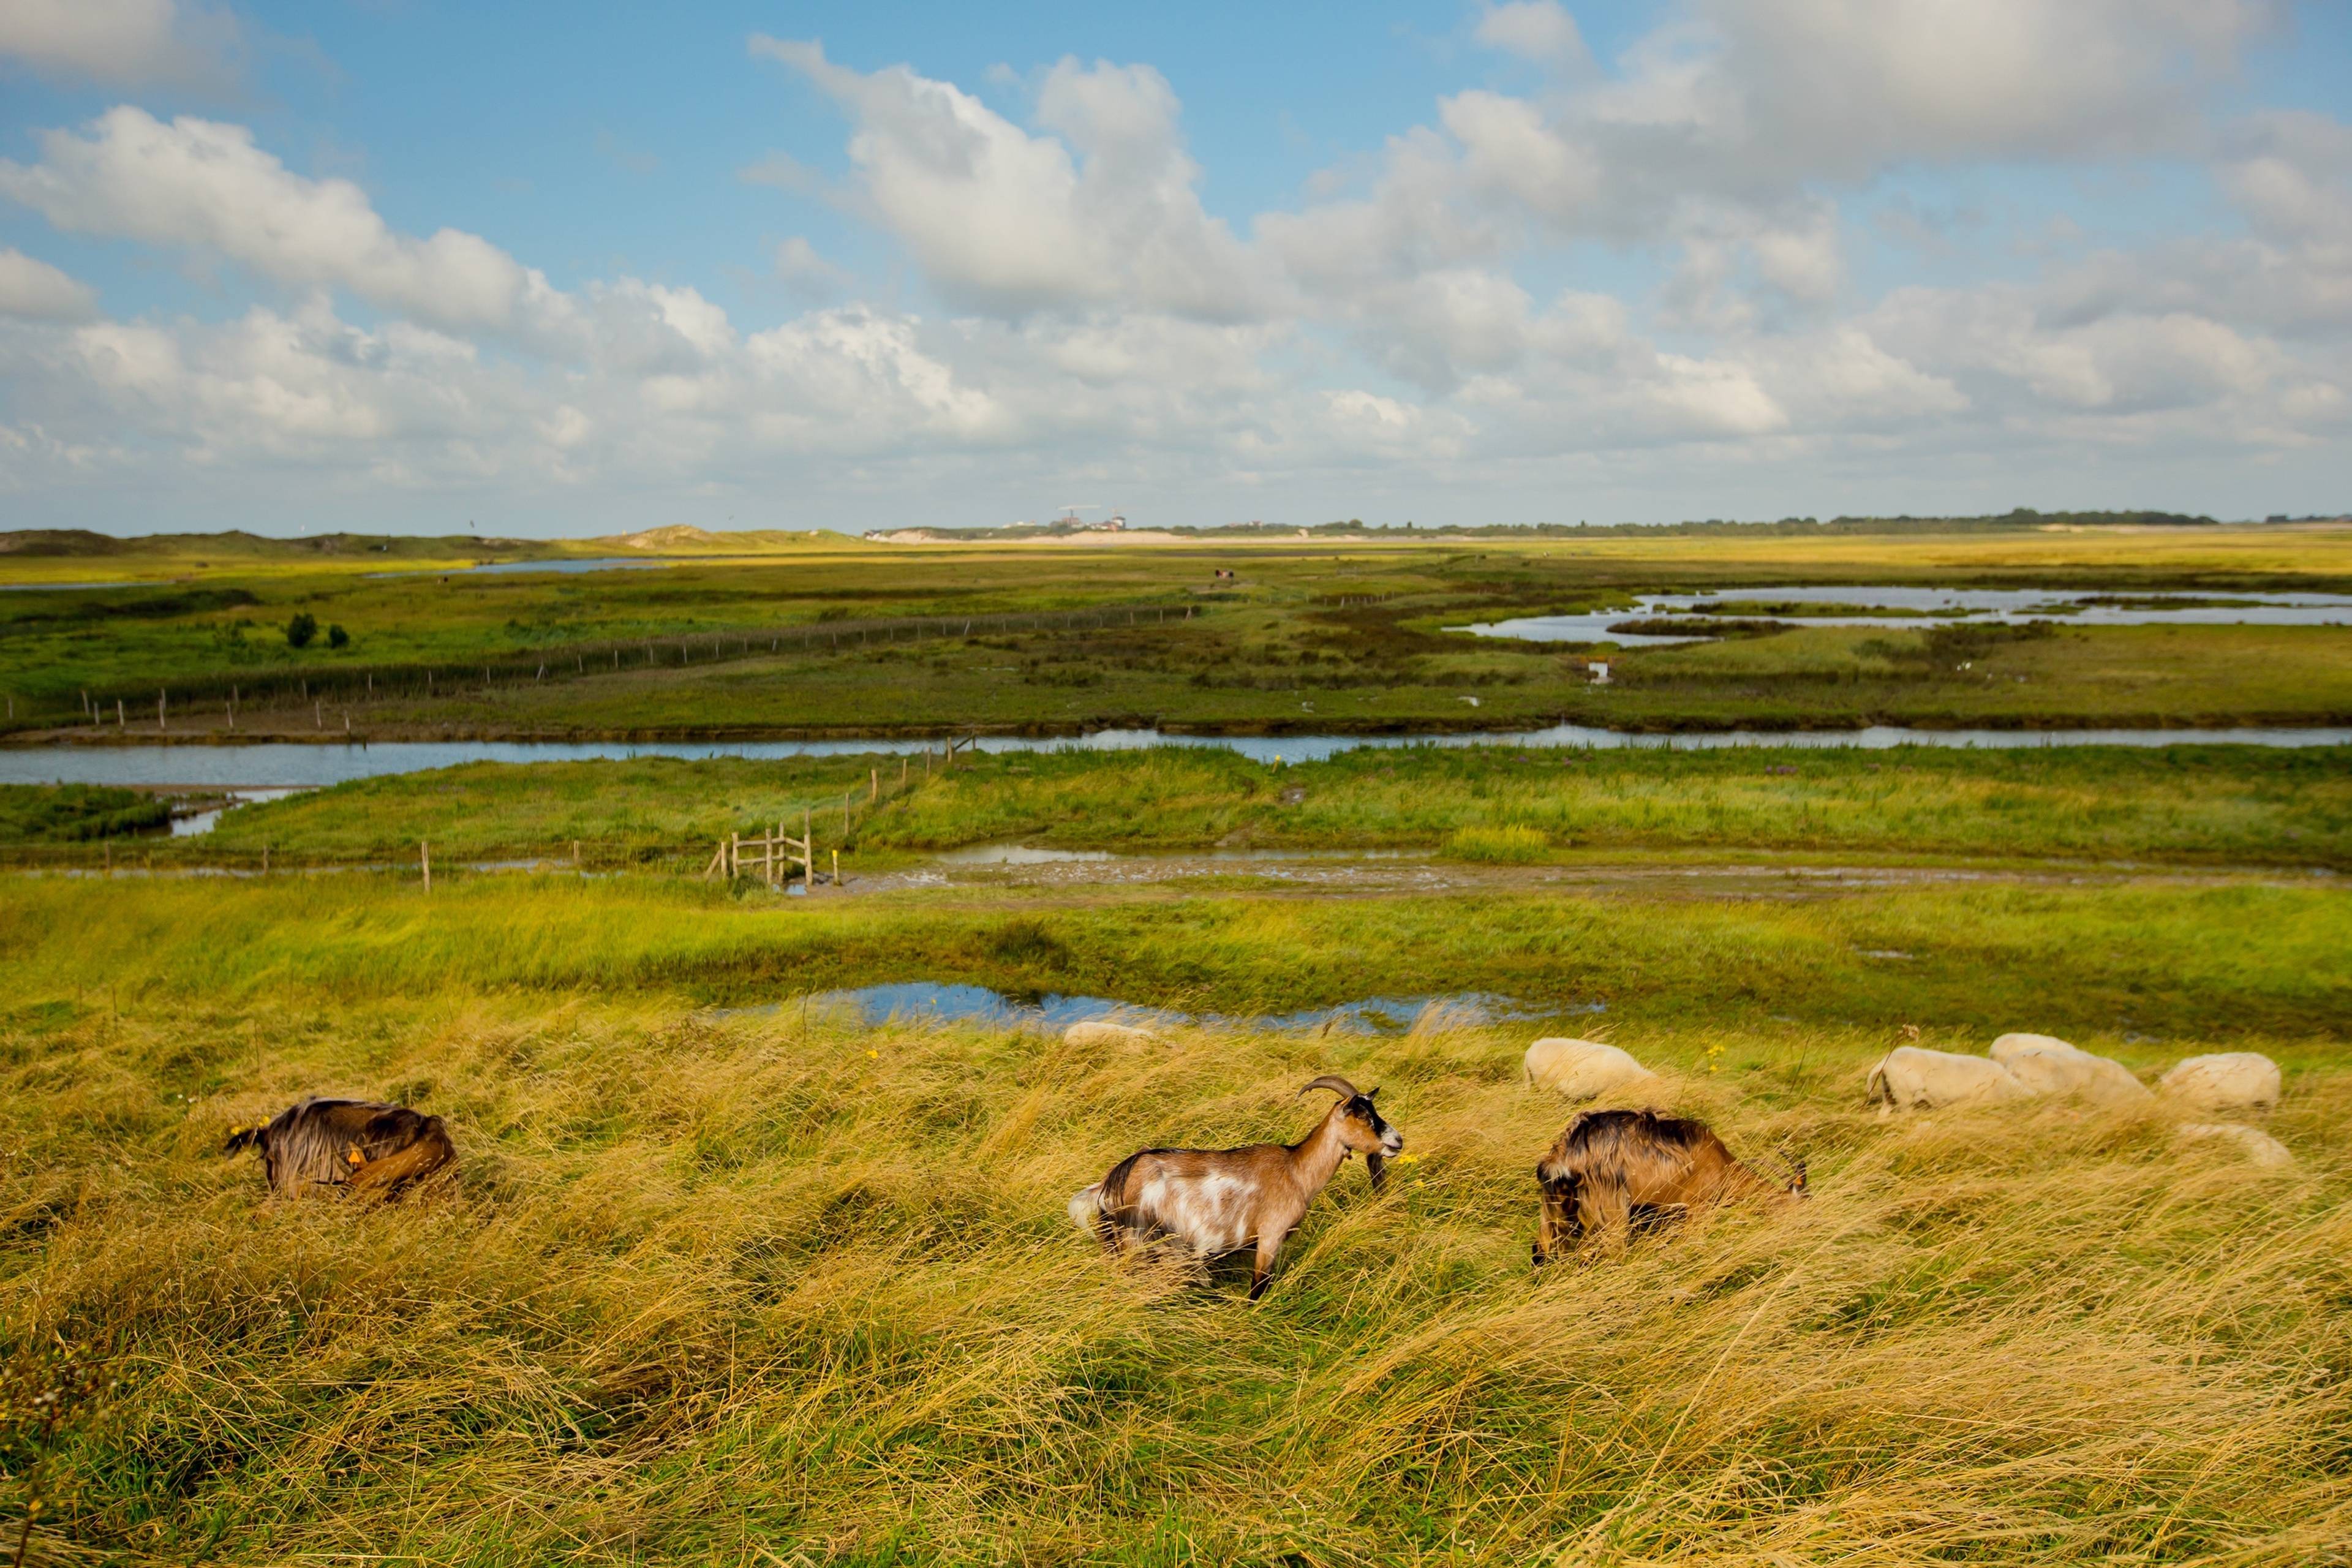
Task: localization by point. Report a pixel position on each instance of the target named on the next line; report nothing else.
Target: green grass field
(753, 1287)
(2187, 806)
(853, 637)
(725, 1276)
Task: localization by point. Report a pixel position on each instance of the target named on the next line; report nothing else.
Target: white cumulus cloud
(33, 288)
(121, 43)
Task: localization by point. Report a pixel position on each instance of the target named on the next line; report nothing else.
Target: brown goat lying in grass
(1610, 1170)
(362, 1144)
(1216, 1201)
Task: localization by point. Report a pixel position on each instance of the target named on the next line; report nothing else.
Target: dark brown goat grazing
(362, 1145)
(1216, 1201)
(1610, 1169)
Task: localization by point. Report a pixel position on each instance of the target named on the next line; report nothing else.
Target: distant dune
(680, 538)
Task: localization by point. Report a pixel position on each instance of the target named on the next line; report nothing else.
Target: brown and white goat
(1610, 1169)
(1216, 1201)
(362, 1144)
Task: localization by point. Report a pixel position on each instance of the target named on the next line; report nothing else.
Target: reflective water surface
(1931, 607)
(1052, 1011)
(285, 765)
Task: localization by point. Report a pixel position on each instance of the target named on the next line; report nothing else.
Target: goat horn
(1333, 1081)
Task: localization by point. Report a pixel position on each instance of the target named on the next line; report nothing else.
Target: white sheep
(2226, 1080)
(1097, 1032)
(2259, 1147)
(1913, 1077)
(1582, 1070)
(2045, 1065)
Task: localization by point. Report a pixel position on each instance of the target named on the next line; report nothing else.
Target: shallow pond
(925, 1000)
(1933, 606)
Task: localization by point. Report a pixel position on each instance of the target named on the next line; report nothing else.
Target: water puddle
(196, 824)
(1016, 855)
(1051, 1011)
(1040, 855)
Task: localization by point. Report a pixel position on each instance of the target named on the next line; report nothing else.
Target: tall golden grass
(741, 1289)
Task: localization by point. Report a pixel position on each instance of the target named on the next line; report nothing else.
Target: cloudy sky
(561, 269)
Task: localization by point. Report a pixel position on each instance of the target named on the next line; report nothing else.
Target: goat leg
(1262, 1275)
(1556, 1217)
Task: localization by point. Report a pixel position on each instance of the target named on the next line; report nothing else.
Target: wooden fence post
(837, 870)
(424, 859)
(874, 785)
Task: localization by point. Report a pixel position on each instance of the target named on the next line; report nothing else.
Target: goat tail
(1875, 1091)
(431, 1153)
(1086, 1209)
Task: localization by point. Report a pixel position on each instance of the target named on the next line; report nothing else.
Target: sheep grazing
(2228, 1081)
(1610, 1169)
(2261, 1149)
(1582, 1070)
(1095, 1032)
(1916, 1077)
(1217, 1201)
(2044, 1064)
(357, 1143)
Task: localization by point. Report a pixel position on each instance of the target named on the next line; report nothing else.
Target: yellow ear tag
(353, 1156)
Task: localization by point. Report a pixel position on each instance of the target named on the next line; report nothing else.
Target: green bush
(301, 628)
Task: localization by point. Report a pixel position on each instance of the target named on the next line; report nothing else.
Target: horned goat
(1610, 1168)
(362, 1145)
(1218, 1201)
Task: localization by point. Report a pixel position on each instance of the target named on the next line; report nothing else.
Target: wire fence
(334, 694)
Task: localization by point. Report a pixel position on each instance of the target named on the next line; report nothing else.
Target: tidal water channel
(281, 766)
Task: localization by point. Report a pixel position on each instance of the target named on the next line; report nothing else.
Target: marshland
(729, 1271)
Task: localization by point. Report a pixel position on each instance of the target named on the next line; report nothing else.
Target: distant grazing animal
(2044, 1064)
(2259, 1147)
(2226, 1080)
(1610, 1168)
(1216, 1201)
(362, 1144)
(1913, 1077)
(1582, 1070)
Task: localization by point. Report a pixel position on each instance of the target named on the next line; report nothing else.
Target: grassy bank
(2221, 804)
(1316, 636)
(2163, 961)
(2185, 805)
(746, 1290)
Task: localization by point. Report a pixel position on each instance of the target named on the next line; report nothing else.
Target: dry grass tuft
(722, 1289)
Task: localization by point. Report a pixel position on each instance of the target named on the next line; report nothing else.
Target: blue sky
(572, 270)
